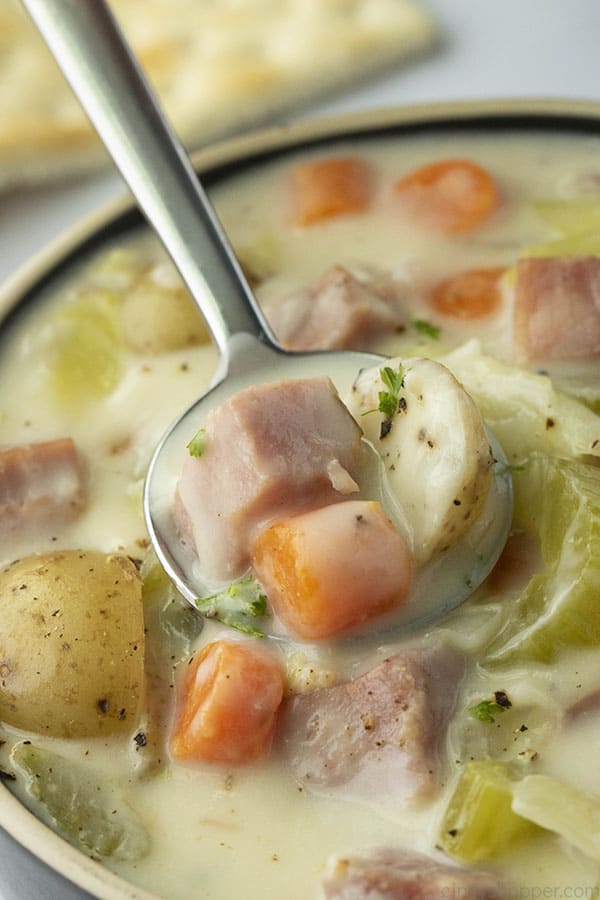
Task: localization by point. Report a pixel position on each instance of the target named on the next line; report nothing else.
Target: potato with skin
(71, 644)
(158, 315)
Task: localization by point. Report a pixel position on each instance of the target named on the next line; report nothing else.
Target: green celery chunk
(557, 806)
(81, 807)
(570, 217)
(479, 822)
(87, 357)
(558, 499)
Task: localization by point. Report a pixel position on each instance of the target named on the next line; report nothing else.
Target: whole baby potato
(71, 644)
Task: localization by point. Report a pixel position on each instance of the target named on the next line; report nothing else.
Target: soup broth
(114, 353)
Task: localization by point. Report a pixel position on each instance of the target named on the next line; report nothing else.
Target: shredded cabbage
(560, 500)
(525, 411)
(87, 811)
(557, 806)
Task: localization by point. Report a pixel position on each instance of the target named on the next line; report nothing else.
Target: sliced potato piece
(434, 448)
(71, 644)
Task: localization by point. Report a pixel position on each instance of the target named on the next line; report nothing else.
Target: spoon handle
(104, 74)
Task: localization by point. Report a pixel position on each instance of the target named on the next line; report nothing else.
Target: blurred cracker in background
(220, 66)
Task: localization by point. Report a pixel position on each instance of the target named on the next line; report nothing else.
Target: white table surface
(489, 49)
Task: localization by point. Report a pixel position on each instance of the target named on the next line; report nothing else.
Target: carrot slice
(331, 569)
(468, 295)
(326, 188)
(453, 196)
(230, 696)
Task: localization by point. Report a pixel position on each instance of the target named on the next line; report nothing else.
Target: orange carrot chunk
(331, 569)
(468, 295)
(453, 196)
(229, 699)
(329, 187)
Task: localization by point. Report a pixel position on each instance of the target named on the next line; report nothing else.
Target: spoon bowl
(112, 89)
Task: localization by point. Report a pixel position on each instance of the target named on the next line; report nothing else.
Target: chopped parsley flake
(389, 401)
(237, 605)
(428, 329)
(197, 445)
(487, 710)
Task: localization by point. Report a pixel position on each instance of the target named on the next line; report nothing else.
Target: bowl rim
(506, 113)
(121, 215)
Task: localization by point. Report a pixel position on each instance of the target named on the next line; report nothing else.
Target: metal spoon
(108, 81)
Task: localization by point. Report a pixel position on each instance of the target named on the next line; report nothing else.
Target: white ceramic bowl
(21, 875)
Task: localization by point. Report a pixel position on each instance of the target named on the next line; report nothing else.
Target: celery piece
(80, 806)
(519, 405)
(559, 500)
(479, 822)
(557, 806)
(570, 217)
(87, 354)
(172, 626)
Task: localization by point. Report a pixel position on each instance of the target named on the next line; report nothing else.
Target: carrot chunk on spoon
(469, 295)
(229, 699)
(331, 569)
(453, 196)
(325, 188)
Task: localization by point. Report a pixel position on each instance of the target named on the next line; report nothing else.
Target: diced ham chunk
(332, 569)
(270, 451)
(391, 874)
(557, 308)
(339, 312)
(375, 738)
(40, 483)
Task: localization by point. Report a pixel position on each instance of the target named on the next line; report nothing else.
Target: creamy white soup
(458, 759)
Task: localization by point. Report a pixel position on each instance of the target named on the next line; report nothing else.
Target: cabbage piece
(117, 268)
(557, 806)
(577, 244)
(525, 411)
(479, 822)
(172, 626)
(578, 223)
(87, 359)
(79, 804)
(560, 500)
(570, 217)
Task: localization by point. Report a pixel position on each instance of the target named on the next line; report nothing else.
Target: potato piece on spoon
(432, 440)
(88, 46)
